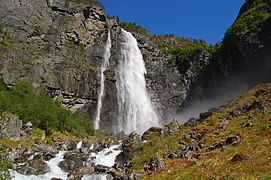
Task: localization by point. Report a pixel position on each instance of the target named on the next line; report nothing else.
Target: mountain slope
(234, 142)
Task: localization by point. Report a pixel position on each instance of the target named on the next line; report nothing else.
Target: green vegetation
(251, 20)
(132, 27)
(253, 126)
(4, 165)
(41, 110)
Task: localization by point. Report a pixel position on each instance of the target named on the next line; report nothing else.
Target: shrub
(41, 110)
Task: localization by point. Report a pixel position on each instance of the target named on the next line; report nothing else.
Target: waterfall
(104, 66)
(135, 111)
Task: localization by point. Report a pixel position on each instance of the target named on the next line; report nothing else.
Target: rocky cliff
(244, 57)
(58, 47)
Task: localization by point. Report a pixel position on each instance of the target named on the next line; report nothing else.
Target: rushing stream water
(106, 157)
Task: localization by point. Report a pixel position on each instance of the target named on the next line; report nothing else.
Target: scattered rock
(72, 161)
(171, 128)
(27, 128)
(156, 163)
(234, 140)
(217, 145)
(239, 158)
(152, 133)
(33, 167)
(192, 122)
(205, 115)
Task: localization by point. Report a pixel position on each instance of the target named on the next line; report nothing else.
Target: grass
(217, 164)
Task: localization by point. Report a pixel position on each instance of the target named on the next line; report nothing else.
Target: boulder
(239, 158)
(72, 161)
(36, 166)
(10, 127)
(192, 122)
(156, 163)
(27, 128)
(171, 128)
(205, 115)
(151, 133)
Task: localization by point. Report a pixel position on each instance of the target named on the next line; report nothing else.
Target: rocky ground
(231, 141)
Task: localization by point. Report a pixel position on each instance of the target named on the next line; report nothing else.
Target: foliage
(41, 110)
(251, 20)
(4, 165)
(132, 27)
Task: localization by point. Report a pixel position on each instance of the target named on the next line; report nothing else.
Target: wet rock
(152, 133)
(78, 173)
(10, 127)
(72, 161)
(156, 163)
(171, 128)
(239, 158)
(35, 167)
(233, 140)
(69, 145)
(102, 169)
(48, 156)
(215, 146)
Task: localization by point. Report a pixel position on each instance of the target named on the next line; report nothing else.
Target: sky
(197, 19)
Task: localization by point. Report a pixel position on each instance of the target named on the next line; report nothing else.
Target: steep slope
(233, 142)
(244, 57)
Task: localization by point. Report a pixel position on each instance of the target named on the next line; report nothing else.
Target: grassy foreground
(248, 117)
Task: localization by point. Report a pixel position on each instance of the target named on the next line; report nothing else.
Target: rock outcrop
(10, 127)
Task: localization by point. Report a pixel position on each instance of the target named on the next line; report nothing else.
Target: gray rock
(156, 163)
(10, 127)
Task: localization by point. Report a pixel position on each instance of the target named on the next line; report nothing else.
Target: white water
(94, 177)
(104, 66)
(107, 156)
(79, 145)
(135, 111)
(54, 170)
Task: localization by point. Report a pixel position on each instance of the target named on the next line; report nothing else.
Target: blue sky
(199, 19)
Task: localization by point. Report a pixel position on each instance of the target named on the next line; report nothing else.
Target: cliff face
(58, 46)
(244, 58)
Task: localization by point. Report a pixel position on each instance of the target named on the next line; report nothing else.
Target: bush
(41, 110)
(251, 20)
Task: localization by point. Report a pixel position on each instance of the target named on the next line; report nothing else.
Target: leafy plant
(41, 110)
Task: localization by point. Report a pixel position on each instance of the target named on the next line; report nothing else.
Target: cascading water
(135, 111)
(104, 66)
